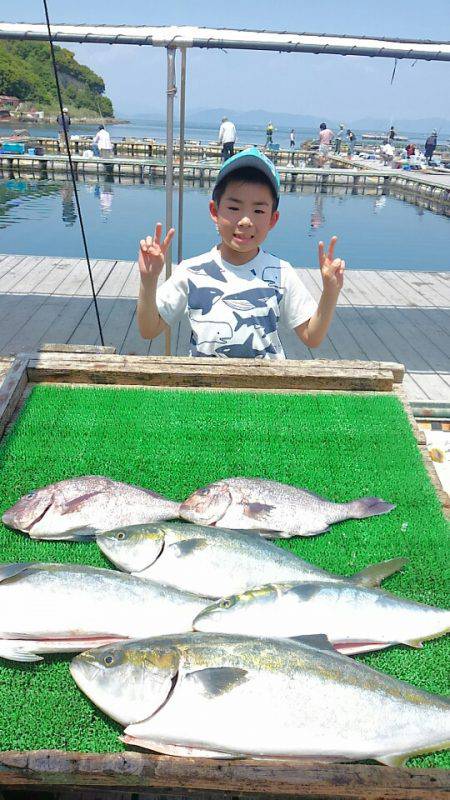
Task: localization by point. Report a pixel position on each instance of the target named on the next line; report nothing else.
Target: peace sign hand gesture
(152, 253)
(332, 269)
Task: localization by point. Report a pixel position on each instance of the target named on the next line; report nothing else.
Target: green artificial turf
(174, 442)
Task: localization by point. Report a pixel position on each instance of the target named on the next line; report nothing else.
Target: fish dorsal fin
(374, 574)
(319, 641)
(216, 681)
(8, 571)
(187, 547)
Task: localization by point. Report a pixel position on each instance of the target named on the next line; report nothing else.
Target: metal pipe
(171, 91)
(212, 38)
(181, 170)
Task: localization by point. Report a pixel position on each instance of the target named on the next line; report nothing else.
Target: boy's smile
(243, 217)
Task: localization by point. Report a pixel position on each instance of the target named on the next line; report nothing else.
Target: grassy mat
(176, 441)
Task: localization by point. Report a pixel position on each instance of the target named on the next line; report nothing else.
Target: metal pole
(181, 171)
(171, 91)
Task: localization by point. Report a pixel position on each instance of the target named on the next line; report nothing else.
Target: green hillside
(26, 72)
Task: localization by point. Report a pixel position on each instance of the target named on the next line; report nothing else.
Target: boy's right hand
(152, 253)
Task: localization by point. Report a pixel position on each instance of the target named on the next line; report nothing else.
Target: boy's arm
(313, 332)
(151, 262)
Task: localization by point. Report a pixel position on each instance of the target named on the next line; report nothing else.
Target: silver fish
(215, 562)
(78, 507)
(232, 696)
(354, 618)
(54, 608)
(257, 503)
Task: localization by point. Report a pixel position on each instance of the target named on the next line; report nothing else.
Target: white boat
(380, 137)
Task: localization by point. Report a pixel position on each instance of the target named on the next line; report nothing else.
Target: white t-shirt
(227, 132)
(103, 140)
(235, 311)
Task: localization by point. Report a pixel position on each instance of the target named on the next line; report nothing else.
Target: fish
(211, 269)
(239, 350)
(208, 332)
(60, 608)
(277, 509)
(202, 297)
(225, 696)
(354, 618)
(78, 507)
(215, 562)
(252, 298)
(268, 323)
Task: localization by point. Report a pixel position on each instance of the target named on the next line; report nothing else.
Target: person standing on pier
(338, 139)
(351, 142)
(430, 146)
(391, 135)
(326, 136)
(227, 138)
(236, 295)
(64, 123)
(269, 134)
(101, 143)
(292, 139)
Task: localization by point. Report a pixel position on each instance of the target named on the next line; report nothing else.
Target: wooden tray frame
(141, 772)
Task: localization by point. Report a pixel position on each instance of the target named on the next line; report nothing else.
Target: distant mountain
(26, 72)
(258, 119)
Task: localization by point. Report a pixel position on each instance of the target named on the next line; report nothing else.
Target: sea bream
(355, 619)
(213, 695)
(275, 509)
(214, 562)
(58, 608)
(78, 507)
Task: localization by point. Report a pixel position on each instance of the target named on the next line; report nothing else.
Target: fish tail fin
(374, 574)
(240, 320)
(400, 759)
(368, 507)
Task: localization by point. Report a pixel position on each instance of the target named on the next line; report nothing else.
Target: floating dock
(382, 315)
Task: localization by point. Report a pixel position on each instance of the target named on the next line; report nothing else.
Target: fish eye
(30, 495)
(226, 603)
(108, 660)
(120, 536)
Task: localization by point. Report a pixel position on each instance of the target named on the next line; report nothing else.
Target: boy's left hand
(332, 269)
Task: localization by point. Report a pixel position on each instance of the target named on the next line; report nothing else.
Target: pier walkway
(382, 315)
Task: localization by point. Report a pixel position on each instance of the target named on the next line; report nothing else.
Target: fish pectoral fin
(175, 749)
(12, 651)
(215, 681)
(374, 574)
(319, 641)
(257, 510)
(8, 571)
(187, 547)
(69, 506)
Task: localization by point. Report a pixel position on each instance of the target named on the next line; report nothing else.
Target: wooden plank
(23, 271)
(8, 263)
(76, 348)
(146, 371)
(47, 769)
(11, 390)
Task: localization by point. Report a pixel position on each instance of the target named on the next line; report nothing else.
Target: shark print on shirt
(235, 311)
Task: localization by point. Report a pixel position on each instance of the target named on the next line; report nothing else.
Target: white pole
(171, 91)
(181, 171)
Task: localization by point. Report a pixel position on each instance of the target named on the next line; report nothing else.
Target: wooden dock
(382, 315)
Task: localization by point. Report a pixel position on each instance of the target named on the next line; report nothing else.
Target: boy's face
(243, 217)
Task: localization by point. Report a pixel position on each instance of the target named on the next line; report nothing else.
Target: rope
(72, 173)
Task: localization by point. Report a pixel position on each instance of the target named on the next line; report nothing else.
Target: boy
(236, 294)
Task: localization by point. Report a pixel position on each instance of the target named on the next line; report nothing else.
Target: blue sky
(329, 86)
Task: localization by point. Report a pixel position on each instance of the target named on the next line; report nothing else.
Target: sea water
(39, 217)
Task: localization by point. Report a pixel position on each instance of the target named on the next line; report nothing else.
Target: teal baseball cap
(251, 157)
